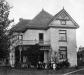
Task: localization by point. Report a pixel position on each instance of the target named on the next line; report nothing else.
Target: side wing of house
(34, 32)
(63, 37)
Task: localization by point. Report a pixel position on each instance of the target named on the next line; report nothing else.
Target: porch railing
(32, 42)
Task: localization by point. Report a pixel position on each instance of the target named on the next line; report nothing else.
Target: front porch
(30, 55)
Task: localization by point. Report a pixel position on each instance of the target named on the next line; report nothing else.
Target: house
(80, 56)
(56, 36)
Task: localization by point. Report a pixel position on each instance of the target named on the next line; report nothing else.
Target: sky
(28, 9)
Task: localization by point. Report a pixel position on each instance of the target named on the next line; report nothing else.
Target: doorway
(41, 37)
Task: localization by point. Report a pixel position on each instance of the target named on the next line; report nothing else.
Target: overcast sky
(28, 9)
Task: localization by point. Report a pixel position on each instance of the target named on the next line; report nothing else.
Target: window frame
(63, 22)
(63, 50)
(41, 37)
(63, 32)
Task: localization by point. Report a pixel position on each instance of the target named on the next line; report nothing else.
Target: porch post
(45, 57)
(20, 49)
(12, 58)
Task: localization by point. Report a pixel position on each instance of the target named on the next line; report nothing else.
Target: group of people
(41, 65)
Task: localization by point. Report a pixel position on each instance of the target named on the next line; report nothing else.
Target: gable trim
(62, 27)
(63, 10)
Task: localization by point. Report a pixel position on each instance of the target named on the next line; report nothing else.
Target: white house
(56, 36)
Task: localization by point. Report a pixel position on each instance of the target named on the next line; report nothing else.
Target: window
(20, 37)
(62, 35)
(40, 37)
(63, 52)
(63, 22)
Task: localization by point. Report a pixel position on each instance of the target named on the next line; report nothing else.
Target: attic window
(63, 22)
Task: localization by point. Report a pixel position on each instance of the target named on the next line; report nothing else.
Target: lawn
(36, 72)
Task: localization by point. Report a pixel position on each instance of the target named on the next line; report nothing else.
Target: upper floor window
(20, 37)
(62, 35)
(41, 37)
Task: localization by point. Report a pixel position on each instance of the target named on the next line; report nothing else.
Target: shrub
(63, 64)
(76, 67)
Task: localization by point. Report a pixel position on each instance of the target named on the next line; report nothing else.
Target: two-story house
(56, 36)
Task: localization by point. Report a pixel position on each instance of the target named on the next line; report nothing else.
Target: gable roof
(40, 22)
(63, 11)
(20, 26)
(42, 18)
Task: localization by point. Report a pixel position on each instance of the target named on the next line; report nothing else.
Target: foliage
(4, 23)
(63, 64)
(33, 53)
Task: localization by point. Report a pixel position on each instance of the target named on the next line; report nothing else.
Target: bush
(63, 64)
(66, 63)
(76, 67)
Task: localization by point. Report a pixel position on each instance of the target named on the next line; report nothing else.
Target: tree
(4, 23)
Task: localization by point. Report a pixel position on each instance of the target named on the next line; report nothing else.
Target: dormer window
(63, 22)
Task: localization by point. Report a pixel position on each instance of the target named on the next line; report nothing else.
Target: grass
(36, 72)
